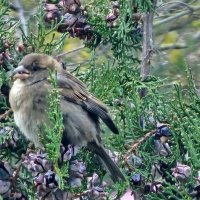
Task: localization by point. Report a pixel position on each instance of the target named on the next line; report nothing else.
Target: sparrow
(80, 109)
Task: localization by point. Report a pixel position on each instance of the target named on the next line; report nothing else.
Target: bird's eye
(35, 68)
(63, 65)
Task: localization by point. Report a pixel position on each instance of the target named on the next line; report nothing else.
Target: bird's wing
(73, 90)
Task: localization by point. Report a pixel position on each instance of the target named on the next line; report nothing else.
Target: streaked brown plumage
(81, 110)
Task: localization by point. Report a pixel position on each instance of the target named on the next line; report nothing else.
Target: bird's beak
(20, 73)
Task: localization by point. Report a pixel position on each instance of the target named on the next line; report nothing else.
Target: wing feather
(73, 90)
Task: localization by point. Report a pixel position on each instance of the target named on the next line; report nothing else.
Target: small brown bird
(81, 111)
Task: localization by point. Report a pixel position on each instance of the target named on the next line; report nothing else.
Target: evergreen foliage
(154, 169)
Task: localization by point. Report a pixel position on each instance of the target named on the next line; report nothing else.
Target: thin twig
(174, 17)
(170, 47)
(72, 51)
(134, 148)
(4, 115)
(140, 141)
(102, 52)
(177, 3)
(78, 63)
(16, 173)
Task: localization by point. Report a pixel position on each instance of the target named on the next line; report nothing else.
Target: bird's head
(35, 67)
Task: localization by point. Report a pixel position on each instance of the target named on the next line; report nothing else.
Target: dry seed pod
(5, 188)
(67, 152)
(161, 149)
(5, 175)
(134, 161)
(50, 179)
(181, 172)
(136, 179)
(10, 136)
(36, 162)
(77, 171)
(112, 17)
(77, 168)
(50, 7)
(52, 16)
(156, 173)
(74, 21)
(156, 187)
(5, 171)
(97, 193)
(72, 6)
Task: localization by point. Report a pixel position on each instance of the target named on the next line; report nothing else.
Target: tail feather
(108, 121)
(113, 169)
(102, 113)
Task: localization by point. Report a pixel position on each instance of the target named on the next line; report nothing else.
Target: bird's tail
(113, 169)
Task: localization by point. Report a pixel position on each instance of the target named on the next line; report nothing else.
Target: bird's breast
(28, 125)
(29, 106)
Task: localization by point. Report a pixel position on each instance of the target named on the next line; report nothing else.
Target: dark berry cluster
(5, 56)
(9, 137)
(7, 185)
(161, 172)
(46, 180)
(70, 18)
(112, 17)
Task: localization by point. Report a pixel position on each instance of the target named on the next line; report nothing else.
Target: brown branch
(140, 141)
(15, 174)
(18, 167)
(147, 47)
(4, 115)
(135, 146)
(147, 51)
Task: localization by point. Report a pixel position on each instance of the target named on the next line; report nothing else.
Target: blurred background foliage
(176, 39)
